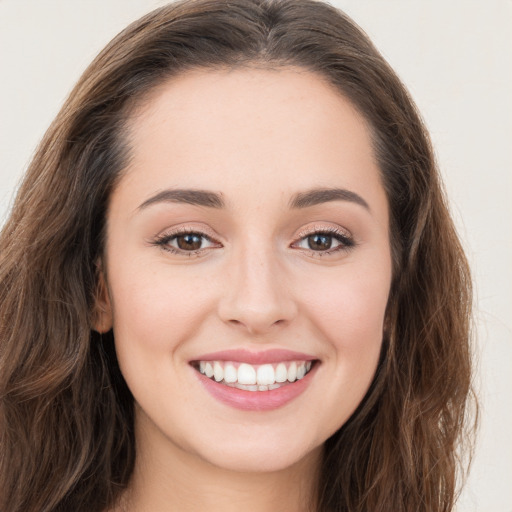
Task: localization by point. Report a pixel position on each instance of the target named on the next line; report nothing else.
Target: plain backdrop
(455, 57)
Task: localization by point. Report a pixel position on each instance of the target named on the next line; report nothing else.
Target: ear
(102, 310)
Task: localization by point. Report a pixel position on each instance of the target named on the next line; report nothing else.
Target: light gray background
(455, 56)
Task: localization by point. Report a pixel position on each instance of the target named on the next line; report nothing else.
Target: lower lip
(256, 400)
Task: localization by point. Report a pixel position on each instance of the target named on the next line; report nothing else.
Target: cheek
(350, 318)
(155, 313)
(156, 310)
(350, 310)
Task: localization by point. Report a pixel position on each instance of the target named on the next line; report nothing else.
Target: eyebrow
(325, 195)
(187, 196)
(214, 200)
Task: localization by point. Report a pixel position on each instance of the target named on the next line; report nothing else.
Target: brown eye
(189, 241)
(319, 242)
(325, 242)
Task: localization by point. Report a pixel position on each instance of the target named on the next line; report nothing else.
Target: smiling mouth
(248, 377)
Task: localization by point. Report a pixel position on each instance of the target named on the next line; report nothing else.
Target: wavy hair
(66, 415)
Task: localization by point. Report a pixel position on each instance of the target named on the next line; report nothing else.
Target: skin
(256, 137)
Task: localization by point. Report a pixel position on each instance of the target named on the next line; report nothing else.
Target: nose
(256, 297)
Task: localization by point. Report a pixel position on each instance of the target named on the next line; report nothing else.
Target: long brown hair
(66, 415)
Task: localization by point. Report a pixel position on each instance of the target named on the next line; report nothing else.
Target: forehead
(286, 127)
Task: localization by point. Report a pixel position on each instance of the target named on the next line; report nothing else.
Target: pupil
(189, 242)
(319, 242)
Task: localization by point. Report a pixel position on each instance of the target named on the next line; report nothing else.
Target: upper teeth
(248, 374)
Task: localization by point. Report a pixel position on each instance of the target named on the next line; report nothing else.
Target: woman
(230, 279)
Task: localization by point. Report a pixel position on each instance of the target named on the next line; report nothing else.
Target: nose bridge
(256, 296)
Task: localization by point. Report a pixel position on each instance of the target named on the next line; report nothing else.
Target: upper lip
(261, 357)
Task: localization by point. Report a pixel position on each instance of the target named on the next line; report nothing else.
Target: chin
(255, 456)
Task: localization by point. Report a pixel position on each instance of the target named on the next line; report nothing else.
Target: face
(248, 267)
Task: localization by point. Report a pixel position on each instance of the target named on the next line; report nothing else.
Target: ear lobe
(102, 310)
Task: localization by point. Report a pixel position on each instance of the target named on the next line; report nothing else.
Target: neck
(168, 478)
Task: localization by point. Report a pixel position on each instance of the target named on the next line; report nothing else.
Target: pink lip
(256, 400)
(262, 357)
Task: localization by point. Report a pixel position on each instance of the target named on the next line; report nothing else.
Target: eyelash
(163, 241)
(346, 242)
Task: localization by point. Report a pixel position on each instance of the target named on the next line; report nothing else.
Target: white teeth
(292, 372)
(246, 374)
(230, 373)
(281, 373)
(218, 371)
(208, 370)
(265, 375)
(252, 387)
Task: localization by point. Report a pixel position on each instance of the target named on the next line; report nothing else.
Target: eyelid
(188, 228)
(343, 236)
(323, 228)
(163, 238)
